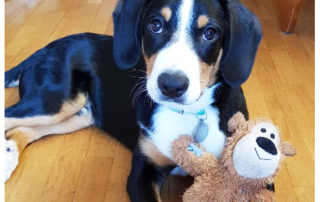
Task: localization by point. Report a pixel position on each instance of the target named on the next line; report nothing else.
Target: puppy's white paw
(11, 158)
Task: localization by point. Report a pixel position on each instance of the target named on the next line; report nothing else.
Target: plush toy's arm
(192, 157)
(265, 196)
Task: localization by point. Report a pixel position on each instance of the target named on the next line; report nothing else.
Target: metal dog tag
(201, 131)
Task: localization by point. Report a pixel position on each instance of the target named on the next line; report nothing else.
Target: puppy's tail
(12, 77)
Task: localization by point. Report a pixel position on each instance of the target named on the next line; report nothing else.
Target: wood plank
(93, 182)
(94, 1)
(300, 167)
(284, 189)
(103, 17)
(9, 59)
(109, 30)
(20, 40)
(303, 108)
(65, 171)
(302, 61)
(40, 161)
(41, 36)
(121, 167)
(305, 194)
(258, 109)
(273, 91)
(28, 192)
(98, 144)
(78, 18)
(12, 96)
(251, 87)
(29, 8)
(10, 184)
(285, 67)
(174, 187)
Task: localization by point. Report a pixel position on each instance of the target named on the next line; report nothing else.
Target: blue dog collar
(199, 113)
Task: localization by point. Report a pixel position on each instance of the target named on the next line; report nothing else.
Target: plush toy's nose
(267, 145)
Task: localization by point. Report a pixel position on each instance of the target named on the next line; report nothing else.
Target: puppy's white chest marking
(168, 125)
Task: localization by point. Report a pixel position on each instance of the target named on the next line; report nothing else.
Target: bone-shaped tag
(195, 149)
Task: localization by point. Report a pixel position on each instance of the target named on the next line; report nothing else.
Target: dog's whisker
(140, 80)
(138, 94)
(138, 70)
(139, 77)
(137, 84)
(136, 87)
(150, 101)
(140, 88)
(146, 99)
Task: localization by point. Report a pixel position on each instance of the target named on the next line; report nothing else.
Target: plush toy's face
(256, 155)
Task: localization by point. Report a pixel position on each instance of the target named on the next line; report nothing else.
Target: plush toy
(250, 161)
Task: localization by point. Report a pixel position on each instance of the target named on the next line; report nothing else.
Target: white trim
(2, 53)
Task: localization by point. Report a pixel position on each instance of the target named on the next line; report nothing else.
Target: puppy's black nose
(267, 145)
(173, 85)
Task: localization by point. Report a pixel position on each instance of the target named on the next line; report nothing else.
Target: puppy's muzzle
(173, 84)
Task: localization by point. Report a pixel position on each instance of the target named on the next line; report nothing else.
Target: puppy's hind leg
(27, 113)
(20, 137)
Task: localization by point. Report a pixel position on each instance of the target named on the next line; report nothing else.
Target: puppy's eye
(210, 34)
(263, 130)
(272, 136)
(155, 26)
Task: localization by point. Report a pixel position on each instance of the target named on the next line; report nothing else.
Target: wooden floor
(90, 166)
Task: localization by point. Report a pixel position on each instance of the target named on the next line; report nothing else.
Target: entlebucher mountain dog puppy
(171, 66)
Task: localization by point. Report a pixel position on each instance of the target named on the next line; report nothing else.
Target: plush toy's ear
(235, 121)
(288, 149)
(241, 44)
(127, 32)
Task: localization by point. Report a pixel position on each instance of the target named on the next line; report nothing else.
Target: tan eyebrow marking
(166, 13)
(202, 21)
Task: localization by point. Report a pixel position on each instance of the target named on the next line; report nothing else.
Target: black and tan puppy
(192, 56)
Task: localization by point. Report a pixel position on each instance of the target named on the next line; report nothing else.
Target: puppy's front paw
(11, 158)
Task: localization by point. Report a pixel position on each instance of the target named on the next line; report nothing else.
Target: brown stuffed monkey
(250, 161)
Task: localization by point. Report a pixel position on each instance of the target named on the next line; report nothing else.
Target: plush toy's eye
(263, 130)
(272, 136)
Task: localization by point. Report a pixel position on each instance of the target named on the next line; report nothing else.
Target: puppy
(191, 56)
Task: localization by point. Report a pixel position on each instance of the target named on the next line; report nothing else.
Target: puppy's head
(187, 44)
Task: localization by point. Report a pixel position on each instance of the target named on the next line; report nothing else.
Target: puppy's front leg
(145, 180)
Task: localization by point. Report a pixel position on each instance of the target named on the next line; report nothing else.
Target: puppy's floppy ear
(241, 44)
(127, 32)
